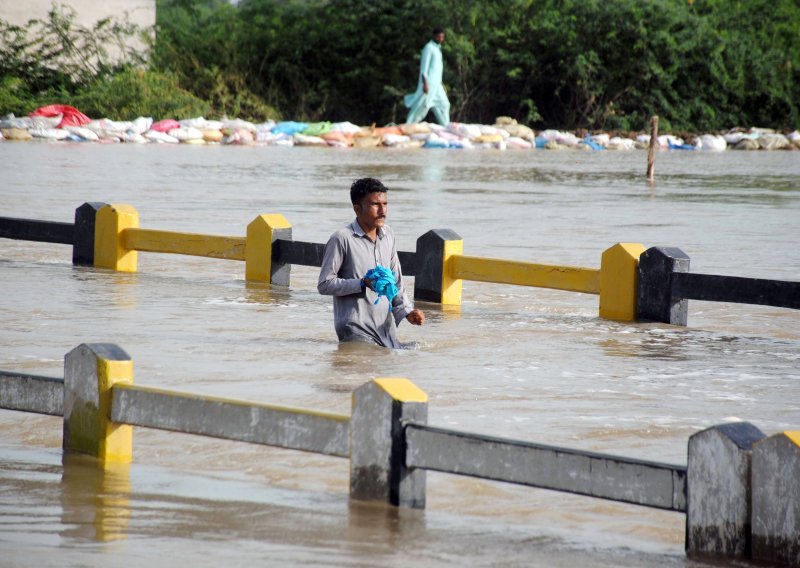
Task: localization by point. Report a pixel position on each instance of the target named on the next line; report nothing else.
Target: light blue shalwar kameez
(420, 102)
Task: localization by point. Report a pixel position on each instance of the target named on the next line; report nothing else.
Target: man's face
(372, 210)
(439, 38)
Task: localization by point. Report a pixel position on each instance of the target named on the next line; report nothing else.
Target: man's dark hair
(437, 30)
(365, 186)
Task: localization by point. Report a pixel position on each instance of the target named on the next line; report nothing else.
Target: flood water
(530, 364)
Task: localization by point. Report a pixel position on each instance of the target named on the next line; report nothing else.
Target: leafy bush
(596, 64)
(136, 92)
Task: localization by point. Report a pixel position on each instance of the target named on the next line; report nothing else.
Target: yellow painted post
(618, 281)
(261, 233)
(109, 243)
(451, 286)
(90, 372)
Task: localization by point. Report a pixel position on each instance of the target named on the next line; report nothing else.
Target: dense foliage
(600, 64)
(98, 70)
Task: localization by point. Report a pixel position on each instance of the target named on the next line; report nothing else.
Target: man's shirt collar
(359, 232)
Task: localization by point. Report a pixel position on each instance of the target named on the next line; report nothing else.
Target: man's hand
(416, 317)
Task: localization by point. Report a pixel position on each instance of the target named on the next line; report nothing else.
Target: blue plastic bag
(383, 283)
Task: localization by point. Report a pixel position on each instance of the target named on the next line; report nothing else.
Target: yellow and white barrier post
(776, 499)
(618, 280)
(90, 372)
(110, 250)
(433, 281)
(377, 443)
(260, 265)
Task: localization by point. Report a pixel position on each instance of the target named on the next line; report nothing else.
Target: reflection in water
(433, 172)
(95, 499)
(379, 524)
(120, 287)
(261, 293)
(654, 344)
(358, 356)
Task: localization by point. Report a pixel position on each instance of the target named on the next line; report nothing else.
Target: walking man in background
(430, 91)
(359, 313)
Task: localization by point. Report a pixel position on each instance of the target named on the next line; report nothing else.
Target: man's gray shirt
(349, 255)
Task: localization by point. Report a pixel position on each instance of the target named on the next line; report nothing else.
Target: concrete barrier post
(262, 232)
(90, 372)
(110, 250)
(654, 300)
(618, 280)
(718, 490)
(83, 243)
(434, 281)
(776, 499)
(377, 443)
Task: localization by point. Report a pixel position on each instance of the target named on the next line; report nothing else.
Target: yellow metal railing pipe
(499, 271)
(213, 246)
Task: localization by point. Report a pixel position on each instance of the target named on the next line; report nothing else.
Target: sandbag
(518, 130)
(345, 127)
(305, 140)
(165, 125)
(488, 139)
(619, 143)
(70, 116)
(289, 127)
(395, 139)
(746, 144)
(317, 128)
(161, 137)
(239, 137)
(237, 124)
(773, 142)
(49, 133)
(16, 134)
(415, 128)
(11, 121)
(83, 133)
(366, 141)
(380, 131)
(186, 134)
(131, 137)
(212, 135)
(712, 143)
(470, 131)
(337, 138)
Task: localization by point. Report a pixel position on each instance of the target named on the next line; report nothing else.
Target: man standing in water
(349, 254)
(430, 92)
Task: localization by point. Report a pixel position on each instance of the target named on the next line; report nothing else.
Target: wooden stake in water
(651, 152)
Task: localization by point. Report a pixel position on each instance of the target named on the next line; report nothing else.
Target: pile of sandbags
(65, 123)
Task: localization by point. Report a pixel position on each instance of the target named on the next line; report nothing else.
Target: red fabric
(165, 125)
(70, 116)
